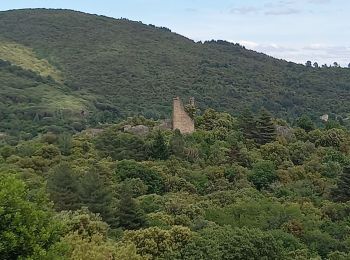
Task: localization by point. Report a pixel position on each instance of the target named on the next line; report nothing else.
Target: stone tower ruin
(181, 120)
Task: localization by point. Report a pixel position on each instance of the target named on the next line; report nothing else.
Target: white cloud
(281, 8)
(316, 52)
(282, 11)
(191, 10)
(248, 44)
(245, 10)
(278, 7)
(315, 46)
(319, 1)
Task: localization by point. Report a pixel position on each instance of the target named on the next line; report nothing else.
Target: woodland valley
(261, 177)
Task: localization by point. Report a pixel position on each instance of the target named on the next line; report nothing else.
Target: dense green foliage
(108, 68)
(219, 193)
(27, 227)
(30, 103)
(245, 187)
(342, 191)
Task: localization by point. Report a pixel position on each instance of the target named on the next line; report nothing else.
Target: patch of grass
(26, 58)
(58, 99)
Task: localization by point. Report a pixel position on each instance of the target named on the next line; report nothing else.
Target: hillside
(118, 68)
(31, 103)
(234, 189)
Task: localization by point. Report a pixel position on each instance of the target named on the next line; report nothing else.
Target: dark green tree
(342, 191)
(305, 123)
(130, 215)
(95, 193)
(177, 144)
(132, 170)
(263, 174)
(247, 124)
(265, 128)
(159, 148)
(63, 188)
(121, 146)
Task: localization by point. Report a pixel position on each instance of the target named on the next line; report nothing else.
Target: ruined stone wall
(181, 120)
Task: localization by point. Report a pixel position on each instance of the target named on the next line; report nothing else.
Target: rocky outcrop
(137, 130)
(165, 124)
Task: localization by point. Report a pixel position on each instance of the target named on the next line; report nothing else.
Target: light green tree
(27, 227)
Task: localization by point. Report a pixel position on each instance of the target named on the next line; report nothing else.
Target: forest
(246, 187)
(101, 65)
(262, 177)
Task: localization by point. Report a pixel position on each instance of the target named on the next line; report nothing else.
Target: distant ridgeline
(65, 62)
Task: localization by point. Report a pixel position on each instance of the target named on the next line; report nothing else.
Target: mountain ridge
(123, 68)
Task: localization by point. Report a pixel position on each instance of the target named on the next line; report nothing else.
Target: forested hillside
(117, 68)
(76, 182)
(237, 188)
(31, 103)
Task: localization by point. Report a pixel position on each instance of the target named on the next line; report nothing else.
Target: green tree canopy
(130, 216)
(63, 187)
(342, 191)
(130, 169)
(159, 148)
(95, 193)
(265, 128)
(27, 227)
(263, 174)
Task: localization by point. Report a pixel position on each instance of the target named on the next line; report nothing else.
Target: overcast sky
(295, 30)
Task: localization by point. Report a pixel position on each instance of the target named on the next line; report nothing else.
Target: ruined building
(181, 119)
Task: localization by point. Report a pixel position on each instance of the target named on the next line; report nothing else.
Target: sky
(294, 30)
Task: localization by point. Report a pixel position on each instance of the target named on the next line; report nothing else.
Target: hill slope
(30, 102)
(120, 67)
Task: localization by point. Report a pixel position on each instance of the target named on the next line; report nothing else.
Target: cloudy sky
(295, 30)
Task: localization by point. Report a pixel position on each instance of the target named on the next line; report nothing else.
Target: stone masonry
(181, 120)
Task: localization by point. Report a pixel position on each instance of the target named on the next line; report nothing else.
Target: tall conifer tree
(130, 216)
(159, 148)
(266, 131)
(96, 194)
(342, 191)
(177, 144)
(247, 124)
(63, 187)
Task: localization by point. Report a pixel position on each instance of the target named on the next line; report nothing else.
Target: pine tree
(63, 186)
(266, 131)
(65, 143)
(96, 194)
(177, 144)
(130, 216)
(159, 148)
(342, 191)
(308, 64)
(247, 124)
